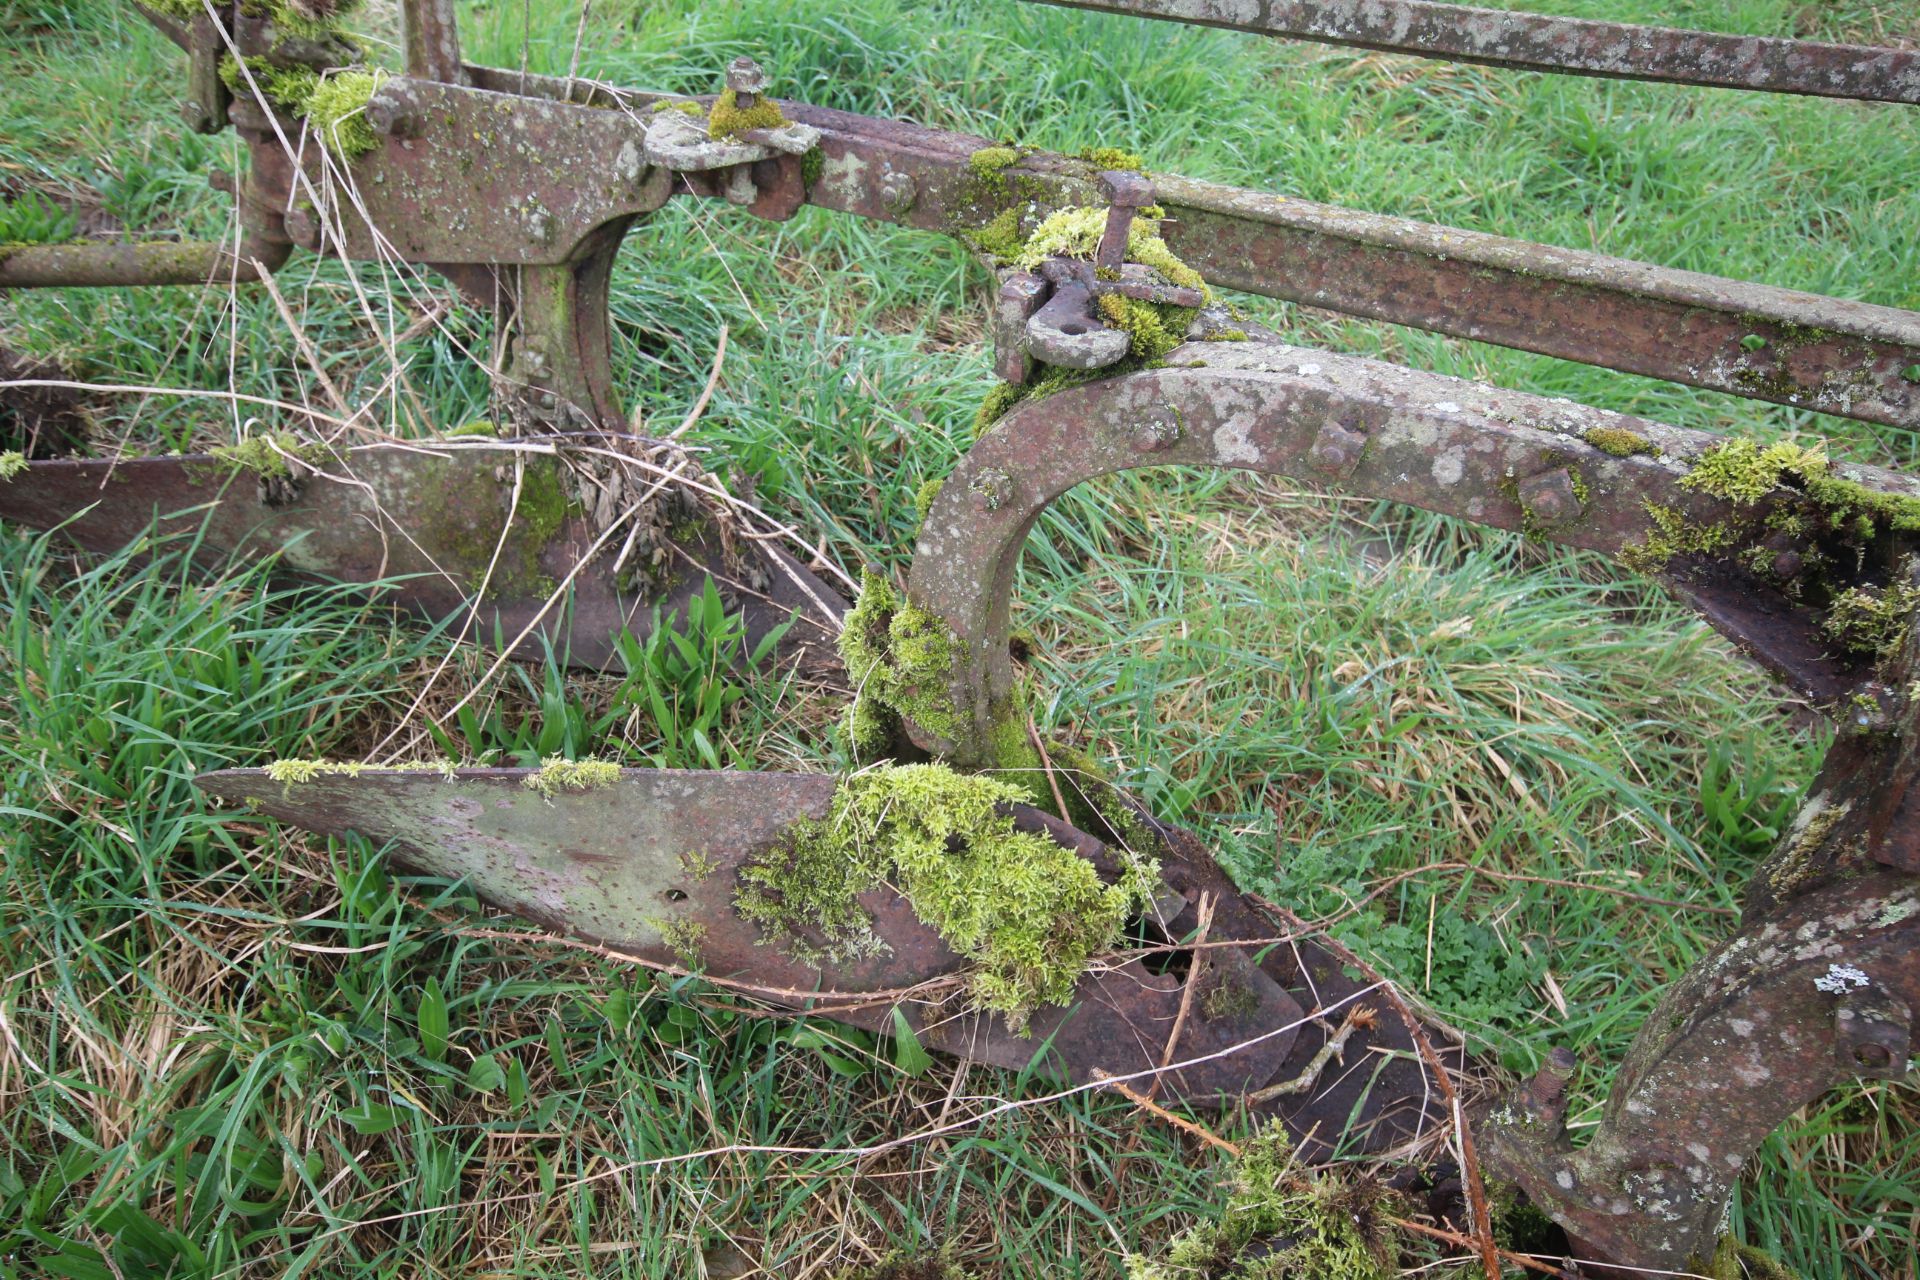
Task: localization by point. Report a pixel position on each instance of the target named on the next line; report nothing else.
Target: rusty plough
(1112, 356)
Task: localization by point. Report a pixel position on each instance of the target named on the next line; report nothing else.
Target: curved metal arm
(1501, 458)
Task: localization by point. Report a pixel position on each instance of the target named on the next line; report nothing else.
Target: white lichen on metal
(1839, 979)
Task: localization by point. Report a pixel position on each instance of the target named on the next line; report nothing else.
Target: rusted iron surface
(1837, 356)
(81, 263)
(652, 859)
(551, 173)
(1576, 46)
(1818, 986)
(509, 179)
(1366, 427)
(442, 520)
(648, 866)
(431, 36)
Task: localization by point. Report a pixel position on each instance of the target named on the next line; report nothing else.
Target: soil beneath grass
(41, 422)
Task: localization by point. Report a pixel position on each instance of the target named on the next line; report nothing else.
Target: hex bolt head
(392, 113)
(1336, 450)
(747, 80)
(1550, 498)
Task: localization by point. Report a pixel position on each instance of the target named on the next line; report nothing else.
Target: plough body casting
(520, 189)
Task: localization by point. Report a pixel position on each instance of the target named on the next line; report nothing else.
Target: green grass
(230, 1049)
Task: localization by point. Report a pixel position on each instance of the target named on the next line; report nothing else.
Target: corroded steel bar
(1575, 46)
(1816, 988)
(158, 262)
(1496, 457)
(1852, 359)
(1841, 357)
(443, 523)
(432, 38)
(649, 863)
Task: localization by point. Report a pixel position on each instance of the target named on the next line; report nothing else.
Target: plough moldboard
(1113, 356)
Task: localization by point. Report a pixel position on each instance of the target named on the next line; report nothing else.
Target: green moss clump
(290, 89)
(900, 659)
(685, 106)
(728, 117)
(1871, 623)
(998, 401)
(1000, 238)
(1154, 328)
(1672, 535)
(1620, 442)
(557, 774)
(1850, 505)
(289, 773)
(267, 456)
(1113, 158)
(480, 427)
(334, 105)
(1735, 1261)
(1075, 233)
(1744, 472)
(684, 937)
(12, 463)
(812, 165)
(987, 162)
(1282, 1223)
(306, 19)
(1028, 914)
(337, 110)
(923, 499)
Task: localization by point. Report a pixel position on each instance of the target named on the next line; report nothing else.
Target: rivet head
(392, 115)
(991, 489)
(303, 228)
(1336, 450)
(1157, 433)
(1549, 497)
(898, 191)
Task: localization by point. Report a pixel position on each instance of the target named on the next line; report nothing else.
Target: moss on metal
(923, 498)
(1113, 158)
(557, 774)
(337, 110)
(684, 937)
(12, 463)
(1620, 442)
(1861, 620)
(1075, 233)
(1153, 328)
(900, 659)
(1735, 1261)
(1281, 1222)
(728, 117)
(270, 456)
(334, 104)
(1026, 913)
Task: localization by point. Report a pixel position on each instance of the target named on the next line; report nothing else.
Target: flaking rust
(533, 183)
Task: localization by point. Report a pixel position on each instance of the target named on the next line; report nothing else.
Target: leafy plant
(687, 679)
(31, 218)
